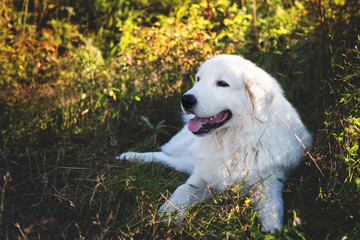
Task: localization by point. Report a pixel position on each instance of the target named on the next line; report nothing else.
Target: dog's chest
(220, 164)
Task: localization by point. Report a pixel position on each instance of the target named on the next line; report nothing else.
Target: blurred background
(82, 81)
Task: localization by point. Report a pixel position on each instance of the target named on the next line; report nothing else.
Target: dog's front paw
(130, 156)
(170, 211)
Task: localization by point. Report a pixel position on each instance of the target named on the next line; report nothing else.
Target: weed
(76, 77)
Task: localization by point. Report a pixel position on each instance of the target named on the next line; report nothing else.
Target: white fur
(257, 146)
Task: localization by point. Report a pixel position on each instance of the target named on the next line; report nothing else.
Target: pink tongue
(196, 123)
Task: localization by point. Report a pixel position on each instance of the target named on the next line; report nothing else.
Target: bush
(82, 81)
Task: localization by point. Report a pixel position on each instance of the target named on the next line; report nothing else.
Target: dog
(240, 129)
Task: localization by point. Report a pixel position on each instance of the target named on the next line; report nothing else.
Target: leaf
(147, 122)
(160, 124)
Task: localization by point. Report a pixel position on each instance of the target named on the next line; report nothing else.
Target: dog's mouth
(199, 126)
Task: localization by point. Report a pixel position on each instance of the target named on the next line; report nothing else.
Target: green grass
(80, 84)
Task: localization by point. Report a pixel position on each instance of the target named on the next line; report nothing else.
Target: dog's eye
(222, 83)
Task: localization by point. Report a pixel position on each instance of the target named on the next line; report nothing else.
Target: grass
(80, 85)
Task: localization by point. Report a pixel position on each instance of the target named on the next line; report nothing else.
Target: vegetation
(82, 81)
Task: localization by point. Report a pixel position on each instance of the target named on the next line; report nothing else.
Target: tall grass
(81, 83)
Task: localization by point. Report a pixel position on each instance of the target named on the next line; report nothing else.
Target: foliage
(82, 81)
(346, 122)
(335, 195)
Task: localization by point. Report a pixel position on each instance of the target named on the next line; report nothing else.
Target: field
(83, 81)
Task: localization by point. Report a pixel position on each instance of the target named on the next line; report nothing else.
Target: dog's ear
(261, 99)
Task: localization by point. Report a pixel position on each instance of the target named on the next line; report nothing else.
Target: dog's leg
(269, 202)
(182, 164)
(193, 191)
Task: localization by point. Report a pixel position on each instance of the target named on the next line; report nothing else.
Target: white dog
(244, 130)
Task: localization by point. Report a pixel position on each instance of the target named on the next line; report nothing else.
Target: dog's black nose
(188, 101)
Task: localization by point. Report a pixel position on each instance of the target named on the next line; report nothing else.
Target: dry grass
(68, 106)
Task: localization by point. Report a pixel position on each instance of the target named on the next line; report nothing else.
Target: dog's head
(228, 87)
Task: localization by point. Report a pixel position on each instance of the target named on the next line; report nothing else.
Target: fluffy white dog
(241, 129)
